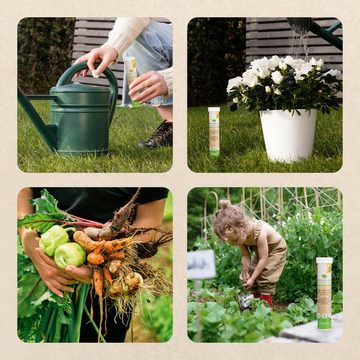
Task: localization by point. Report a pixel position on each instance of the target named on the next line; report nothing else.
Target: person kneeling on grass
(150, 42)
(261, 272)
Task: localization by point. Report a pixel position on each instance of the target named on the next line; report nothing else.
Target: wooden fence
(273, 36)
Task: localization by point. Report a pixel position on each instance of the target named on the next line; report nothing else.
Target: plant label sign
(201, 264)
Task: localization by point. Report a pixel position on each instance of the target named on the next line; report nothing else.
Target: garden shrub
(44, 52)
(216, 52)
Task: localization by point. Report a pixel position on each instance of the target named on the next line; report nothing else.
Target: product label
(131, 69)
(324, 296)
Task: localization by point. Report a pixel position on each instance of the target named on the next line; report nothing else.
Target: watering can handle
(67, 76)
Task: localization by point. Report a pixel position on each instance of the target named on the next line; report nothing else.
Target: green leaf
(30, 289)
(40, 222)
(254, 336)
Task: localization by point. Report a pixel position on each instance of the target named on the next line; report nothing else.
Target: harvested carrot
(119, 255)
(86, 242)
(117, 244)
(98, 285)
(98, 282)
(107, 275)
(95, 259)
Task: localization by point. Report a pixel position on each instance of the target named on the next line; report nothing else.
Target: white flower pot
(288, 136)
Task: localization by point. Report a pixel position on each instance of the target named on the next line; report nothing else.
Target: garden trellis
(264, 203)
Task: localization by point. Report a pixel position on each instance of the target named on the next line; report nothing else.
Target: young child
(261, 272)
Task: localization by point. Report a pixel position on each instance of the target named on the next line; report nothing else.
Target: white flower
(274, 62)
(277, 92)
(277, 77)
(235, 82)
(294, 63)
(268, 89)
(260, 63)
(303, 71)
(262, 73)
(319, 64)
(282, 65)
(249, 78)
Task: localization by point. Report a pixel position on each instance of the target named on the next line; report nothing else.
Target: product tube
(324, 265)
(131, 73)
(214, 131)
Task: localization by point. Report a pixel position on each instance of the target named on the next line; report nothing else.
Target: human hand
(81, 273)
(57, 280)
(245, 278)
(249, 284)
(147, 86)
(106, 54)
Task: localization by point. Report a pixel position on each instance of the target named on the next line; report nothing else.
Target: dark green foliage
(44, 52)
(222, 321)
(216, 53)
(309, 232)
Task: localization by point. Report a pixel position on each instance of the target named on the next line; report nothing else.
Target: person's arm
(149, 215)
(263, 252)
(124, 32)
(56, 280)
(245, 263)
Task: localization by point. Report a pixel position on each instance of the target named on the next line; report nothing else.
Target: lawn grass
(129, 126)
(242, 148)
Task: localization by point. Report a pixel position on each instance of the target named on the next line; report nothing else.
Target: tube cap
(213, 109)
(324, 260)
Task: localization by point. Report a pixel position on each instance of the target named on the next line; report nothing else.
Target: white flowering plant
(285, 84)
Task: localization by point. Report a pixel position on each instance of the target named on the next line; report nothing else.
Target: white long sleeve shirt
(124, 32)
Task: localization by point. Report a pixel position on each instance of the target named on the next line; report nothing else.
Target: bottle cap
(211, 109)
(324, 260)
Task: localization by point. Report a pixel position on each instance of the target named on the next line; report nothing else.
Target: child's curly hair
(230, 220)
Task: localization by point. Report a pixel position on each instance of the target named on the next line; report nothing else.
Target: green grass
(242, 146)
(129, 126)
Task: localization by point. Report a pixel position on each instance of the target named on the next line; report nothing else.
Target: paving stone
(309, 331)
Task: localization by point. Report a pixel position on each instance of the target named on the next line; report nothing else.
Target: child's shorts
(266, 281)
(153, 50)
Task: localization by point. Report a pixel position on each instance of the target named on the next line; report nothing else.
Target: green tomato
(53, 238)
(69, 254)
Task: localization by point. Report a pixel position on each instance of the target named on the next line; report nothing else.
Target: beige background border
(180, 179)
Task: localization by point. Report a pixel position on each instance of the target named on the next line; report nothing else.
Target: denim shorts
(153, 50)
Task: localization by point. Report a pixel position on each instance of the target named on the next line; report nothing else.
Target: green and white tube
(131, 73)
(214, 131)
(324, 272)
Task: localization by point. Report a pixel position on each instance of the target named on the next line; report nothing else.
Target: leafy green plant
(44, 51)
(221, 320)
(43, 316)
(158, 316)
(309, 235)
(285, 84)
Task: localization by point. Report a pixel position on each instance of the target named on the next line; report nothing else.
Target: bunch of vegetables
(117, 256)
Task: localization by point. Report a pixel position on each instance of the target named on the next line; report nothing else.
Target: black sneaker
(163, 136)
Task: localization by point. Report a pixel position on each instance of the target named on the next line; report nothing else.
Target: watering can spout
(48, 132)
(305, 24)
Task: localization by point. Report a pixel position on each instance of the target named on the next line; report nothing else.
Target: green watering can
(80, 115)
(304, 25)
